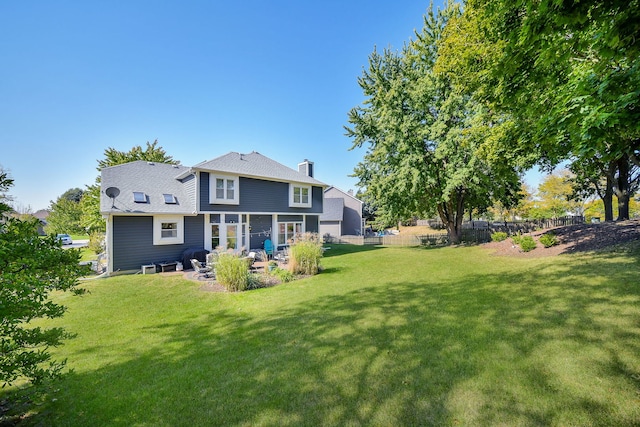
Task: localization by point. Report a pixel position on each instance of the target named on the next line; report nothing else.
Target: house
(155, 212)
(342, 214)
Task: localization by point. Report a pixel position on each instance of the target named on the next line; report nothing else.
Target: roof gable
(255, 165)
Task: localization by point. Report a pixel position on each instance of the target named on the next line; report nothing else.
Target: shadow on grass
(558, 345)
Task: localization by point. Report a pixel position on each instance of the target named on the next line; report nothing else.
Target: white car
(65, 239)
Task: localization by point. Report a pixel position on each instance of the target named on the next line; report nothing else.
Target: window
(224, 190)
(215, 236)
(299, 196)
(139, 197)
(168, 230)
(232, 236)
(169, 199)
(287, 231)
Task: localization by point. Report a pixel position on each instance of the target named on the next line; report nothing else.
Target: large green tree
(430, 150)
(91, 218)
(567, 71)
(65, 213)
(31, 268)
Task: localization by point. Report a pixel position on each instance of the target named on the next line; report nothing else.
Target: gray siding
(133, 241)
(312, 223)
(190, 188)
(257, 195)
(260, 229)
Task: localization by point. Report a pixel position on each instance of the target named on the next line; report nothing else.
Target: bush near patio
(232, 272)
(385, 336)
(305, 254)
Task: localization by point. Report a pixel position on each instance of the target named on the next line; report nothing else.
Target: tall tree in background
(554, 196)
(568, 72)
(6, 182)
(430, 150)
(65, 213)
(91, 218)
(31, 267)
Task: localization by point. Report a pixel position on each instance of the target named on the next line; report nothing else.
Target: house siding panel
(257, 195)
(312, 223)
(133, 241)
(260, 230)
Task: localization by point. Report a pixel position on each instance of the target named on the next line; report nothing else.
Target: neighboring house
(42, 215)
(155, 212)
(342, 214)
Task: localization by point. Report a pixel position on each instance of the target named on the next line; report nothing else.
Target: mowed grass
(383, 336)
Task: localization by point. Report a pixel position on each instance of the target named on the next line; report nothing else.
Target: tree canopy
(567, 72)
(31, 267)
(430, 149)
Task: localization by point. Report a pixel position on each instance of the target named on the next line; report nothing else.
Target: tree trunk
(452, 213)
(607, 199)
(623, 189)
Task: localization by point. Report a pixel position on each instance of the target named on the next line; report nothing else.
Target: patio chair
(268, 247)
(202, 270)
(251, 258)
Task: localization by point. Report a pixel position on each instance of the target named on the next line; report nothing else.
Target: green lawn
(384, 336)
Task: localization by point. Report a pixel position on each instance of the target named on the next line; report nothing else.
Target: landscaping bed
(573, 239)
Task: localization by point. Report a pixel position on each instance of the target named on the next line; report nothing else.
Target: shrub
(516, 238)
(499, 236)
(96, 242)
(548, 240)
(232, 272)
(305, 254)
(283, 275)
(527, 243)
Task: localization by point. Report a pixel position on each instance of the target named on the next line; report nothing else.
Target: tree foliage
(567, 72)
(430, 150)
(65, 213)
(554, 197)
(5, 183)
(31, 268)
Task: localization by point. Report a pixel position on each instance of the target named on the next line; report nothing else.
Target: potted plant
(272, 265)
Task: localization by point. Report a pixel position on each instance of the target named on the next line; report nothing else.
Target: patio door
(232, 236)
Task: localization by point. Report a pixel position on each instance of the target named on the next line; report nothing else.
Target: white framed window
(168, 230)
(299, 196)
(287, 231)
(224, 189)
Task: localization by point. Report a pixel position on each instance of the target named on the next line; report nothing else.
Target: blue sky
(202, 77)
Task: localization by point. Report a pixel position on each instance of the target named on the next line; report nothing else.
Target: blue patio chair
(268, 248)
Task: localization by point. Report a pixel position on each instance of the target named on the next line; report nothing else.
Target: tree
(66, 213)
(567, 72)
(431, 150)
(554, 194)
(31, 268)
(594, 176)
(5, 183)
(91, 219)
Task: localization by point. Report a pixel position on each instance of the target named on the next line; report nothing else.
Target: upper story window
(299, 196)
(224, 189)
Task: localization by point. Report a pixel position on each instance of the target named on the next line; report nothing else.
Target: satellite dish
(112, 192)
